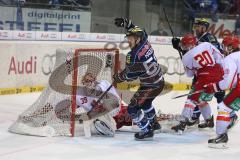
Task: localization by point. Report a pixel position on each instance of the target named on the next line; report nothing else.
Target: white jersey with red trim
(204, 54)
(85, 101)
(231, 66)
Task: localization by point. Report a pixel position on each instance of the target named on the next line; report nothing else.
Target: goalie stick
(62, 110)
(90, 115)
(101, 97)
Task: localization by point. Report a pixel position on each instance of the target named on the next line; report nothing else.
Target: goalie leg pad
(103, 128)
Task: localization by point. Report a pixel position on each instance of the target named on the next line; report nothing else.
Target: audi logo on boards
(48, 62)
(173, 64)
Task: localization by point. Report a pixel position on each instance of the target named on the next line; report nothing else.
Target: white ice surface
(190, 146)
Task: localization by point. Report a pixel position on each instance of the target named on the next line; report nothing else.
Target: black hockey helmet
(136, 31)
(202, 22)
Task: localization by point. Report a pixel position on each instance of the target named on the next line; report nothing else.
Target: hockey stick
(91, 114)
(170, 27)
(101, 97)
(188, 94)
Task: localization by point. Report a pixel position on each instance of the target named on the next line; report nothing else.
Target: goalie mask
(230, 44)
(89, 81)
(188, 42)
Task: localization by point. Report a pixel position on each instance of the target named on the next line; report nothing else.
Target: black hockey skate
(180, 127)
(209, 123)
(219, 142)
(144, 136)
(193, 122)
(155, 125)
(233, 121)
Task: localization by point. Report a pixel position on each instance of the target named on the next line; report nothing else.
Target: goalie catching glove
(97, 108)
(211, 88)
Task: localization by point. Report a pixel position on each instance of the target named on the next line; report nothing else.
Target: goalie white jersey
(85, 101)
(204, 54)
(104, 125)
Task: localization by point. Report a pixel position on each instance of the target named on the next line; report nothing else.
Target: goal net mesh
(43, 118)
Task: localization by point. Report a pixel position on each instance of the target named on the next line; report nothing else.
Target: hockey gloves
(123, 22)
(118, 78)
(175, 43)
(97, 108)
(211, 88)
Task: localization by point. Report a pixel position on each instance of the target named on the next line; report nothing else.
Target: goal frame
(77, 52)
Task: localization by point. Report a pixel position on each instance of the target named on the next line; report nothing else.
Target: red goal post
(77, 53)
(43, 117)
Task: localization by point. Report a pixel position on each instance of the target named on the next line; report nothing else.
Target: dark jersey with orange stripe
(208, 37)
(141, 63)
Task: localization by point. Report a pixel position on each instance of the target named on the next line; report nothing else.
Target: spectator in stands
(83, 2)
(190, 6)
(161, 30)
(224, 6)
(38, 1)
(202, 6)
(210, 6)
(21, 2)
(235, 7)
(237, 26)
(56, 3)
(7, 2)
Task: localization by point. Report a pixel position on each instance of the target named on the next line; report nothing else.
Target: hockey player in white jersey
(105, 124)
(231, 102)
(203, 62)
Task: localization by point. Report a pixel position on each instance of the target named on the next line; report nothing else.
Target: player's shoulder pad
(128, 58)
(103, 84)
(211, 38)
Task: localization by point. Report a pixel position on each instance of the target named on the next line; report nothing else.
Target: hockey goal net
(43, 118)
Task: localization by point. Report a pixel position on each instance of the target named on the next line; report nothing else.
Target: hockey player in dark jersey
(141, 64)
(201, 30)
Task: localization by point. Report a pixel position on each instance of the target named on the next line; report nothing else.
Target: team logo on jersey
(128, 59)
(144, 50)
(211, 38)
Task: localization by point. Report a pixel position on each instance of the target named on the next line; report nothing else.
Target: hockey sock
(142, 121)
(205, 110)
(196, 113)
(223, 118)
(150, 113)
(187, 111)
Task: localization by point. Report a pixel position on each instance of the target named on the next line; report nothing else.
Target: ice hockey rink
(190, 146)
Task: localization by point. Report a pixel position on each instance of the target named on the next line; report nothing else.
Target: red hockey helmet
(230, 43)
(188, 42)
